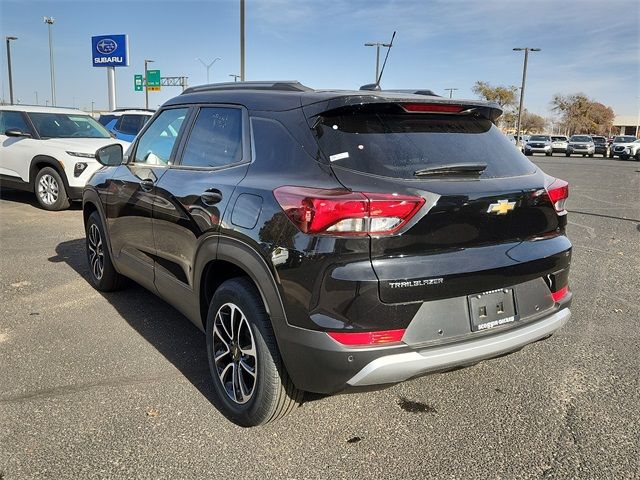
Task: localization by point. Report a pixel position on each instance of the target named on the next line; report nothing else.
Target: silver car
(581, 145)
(620, 145)
(538, 144)
(559, 143)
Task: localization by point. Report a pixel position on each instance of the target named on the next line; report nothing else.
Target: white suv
(50, 151)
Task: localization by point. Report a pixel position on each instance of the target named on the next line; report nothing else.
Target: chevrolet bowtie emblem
(502, 207)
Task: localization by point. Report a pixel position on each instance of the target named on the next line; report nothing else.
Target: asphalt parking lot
(116, 385)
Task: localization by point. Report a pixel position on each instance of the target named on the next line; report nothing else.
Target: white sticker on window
(339, 156)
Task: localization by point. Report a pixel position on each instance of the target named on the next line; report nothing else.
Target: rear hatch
(487, 221)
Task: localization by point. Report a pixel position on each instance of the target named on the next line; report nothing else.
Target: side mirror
(111, 155)
(15, 132)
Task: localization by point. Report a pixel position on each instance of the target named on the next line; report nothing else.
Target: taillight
(560, 294)
(345, 213)
(432, 108)
(558, 192)
(353, 339)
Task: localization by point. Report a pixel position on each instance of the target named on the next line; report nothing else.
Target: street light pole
(50, 21)
(146, 84)
(524, 79)
(450, 90)
(377, 45)
(242, 40)
(208, 65)
(235, 77)
(9, 67)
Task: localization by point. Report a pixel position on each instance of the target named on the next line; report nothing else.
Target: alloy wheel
(234, 353)
(96, 252)
(48, 189)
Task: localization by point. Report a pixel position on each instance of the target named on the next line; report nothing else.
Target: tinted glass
(157, 142)
(624, 139)
(131, 124)
(559, 139)
(397, 145)
(13, 121)
(599, 139)
(580, 138)
(539, 138)
(104, 119)
(216, 138)
(64, 125)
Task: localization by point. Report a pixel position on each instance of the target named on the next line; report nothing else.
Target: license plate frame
(492, 309)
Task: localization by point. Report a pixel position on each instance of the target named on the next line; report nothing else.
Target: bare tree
(580, 114)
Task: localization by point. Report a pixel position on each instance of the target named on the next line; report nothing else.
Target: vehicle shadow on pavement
(28, 198)
(166, 329)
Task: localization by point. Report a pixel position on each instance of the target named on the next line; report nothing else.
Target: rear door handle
(147, 185)
(211, 197)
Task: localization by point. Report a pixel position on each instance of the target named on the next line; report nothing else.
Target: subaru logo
(106, 46)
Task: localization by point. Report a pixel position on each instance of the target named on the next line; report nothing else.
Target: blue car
(125, 124)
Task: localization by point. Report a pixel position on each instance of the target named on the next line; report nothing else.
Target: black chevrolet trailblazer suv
(329, 240)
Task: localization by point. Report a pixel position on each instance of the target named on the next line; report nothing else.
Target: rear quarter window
(397, 145)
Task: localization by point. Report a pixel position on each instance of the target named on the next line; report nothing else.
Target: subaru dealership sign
(110, 51)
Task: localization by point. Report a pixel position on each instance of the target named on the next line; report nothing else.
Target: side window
(13, 120)
(156, 144)
(130, 124)
(216, 138)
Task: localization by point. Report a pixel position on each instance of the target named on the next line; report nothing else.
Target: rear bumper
(402, 366)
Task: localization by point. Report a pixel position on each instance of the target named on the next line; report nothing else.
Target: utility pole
(208, 65)
(50, 21)
(524, 79)
(146, 84)
(36, 92)
(8, 39)
(242, 40)
(377, 45)
(92, 102)
(235, 77)
(450, 90)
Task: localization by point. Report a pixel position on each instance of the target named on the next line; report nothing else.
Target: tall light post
(50, 21)
(208, 65)
(377, 45)
(524, 79)
(36, 92)
(450, 90)
(146, 84)
(235, 77)
(242, 40)
(8, 39)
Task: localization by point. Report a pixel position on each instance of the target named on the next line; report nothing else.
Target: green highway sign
(138, 86)
(153, 80)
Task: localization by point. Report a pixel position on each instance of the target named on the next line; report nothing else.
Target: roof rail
(423, 91)
(285, 86)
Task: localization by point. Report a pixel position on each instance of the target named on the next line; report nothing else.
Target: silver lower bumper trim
(400, 367)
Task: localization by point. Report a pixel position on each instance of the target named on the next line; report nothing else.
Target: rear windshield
(580, 138)
(397, 145)
(599, 139)
(624, 139)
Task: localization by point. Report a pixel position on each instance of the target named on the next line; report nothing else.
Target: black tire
(638, 156)
(611, 155)
(591, 155)
(567, 154)
(49, 189)
(549, 154)
(272, 394)
(584, 155)
(624, 156)
(98, 256)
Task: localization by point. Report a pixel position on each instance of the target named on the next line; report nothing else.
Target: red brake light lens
(345, 213)
(560, 294)
(353, 339)
(432, 108)
(558, 192)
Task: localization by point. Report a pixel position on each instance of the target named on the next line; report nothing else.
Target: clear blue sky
(587, 46)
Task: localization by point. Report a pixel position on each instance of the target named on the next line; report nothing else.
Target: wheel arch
(229, 258)
(91, 203)
(39, 162)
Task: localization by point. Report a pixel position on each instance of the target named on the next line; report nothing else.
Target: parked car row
(623, 146)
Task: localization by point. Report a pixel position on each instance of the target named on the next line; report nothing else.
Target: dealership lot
(116, 385)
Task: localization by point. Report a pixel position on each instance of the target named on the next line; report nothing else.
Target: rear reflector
(432, 108)
(558, 192)
(345, 213)
(353, 339)
(560, 294)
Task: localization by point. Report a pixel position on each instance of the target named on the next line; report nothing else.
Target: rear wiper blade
(454, 168)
